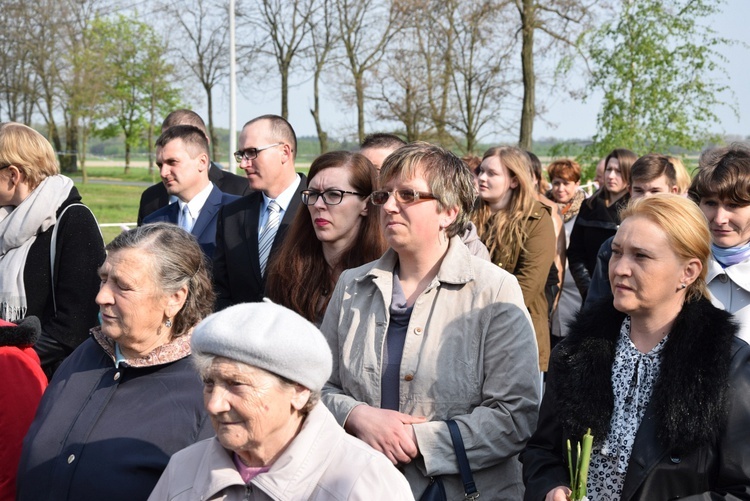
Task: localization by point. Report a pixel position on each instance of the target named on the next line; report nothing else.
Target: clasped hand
(387, 431)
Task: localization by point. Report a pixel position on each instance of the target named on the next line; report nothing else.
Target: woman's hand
(387, 431)
(558, 494)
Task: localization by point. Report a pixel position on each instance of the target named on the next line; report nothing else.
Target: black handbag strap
(470, 489)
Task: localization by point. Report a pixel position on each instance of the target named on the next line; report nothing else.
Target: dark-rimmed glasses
(251, 153)
(404, 196)
(330, 197)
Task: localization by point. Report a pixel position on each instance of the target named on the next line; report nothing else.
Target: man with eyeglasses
(155, 197)
(251, 229)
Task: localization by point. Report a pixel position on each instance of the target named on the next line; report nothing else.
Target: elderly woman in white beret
(274, 439)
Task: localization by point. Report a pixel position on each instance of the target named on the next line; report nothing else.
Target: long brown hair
(505, 230)
(298, 275)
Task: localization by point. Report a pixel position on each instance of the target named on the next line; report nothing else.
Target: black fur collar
(24, 334)
(689, 399)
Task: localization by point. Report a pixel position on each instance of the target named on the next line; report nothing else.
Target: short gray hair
(176, 260)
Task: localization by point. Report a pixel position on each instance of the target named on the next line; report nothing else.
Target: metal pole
(232, 93)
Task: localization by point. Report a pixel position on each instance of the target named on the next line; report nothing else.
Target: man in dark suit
(182, 157)
(156, 196)
(251, 229)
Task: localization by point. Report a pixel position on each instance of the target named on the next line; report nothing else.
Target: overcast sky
(565, 118)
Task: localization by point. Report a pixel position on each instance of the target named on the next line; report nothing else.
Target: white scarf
(19, 228)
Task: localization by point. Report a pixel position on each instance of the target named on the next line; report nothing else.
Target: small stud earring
(168, 323)
(683, 286)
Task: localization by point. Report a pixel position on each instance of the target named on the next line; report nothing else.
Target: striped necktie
(265, 241)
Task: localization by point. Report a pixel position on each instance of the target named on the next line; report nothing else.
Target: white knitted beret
(270, 337)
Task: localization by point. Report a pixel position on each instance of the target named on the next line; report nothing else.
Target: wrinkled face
(408, 227)
(269, 171)
(132, 307)
(641, 189)
(563, 191)
(644, 272)
(729, 222)
(377, 155)
(250, 408)
(336, 223)
(183, 172)
(613, 179)
(495, 183)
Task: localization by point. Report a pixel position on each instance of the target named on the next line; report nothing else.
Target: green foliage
(654, 62)
(134, 64)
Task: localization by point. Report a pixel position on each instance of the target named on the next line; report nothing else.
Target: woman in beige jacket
(429, 333)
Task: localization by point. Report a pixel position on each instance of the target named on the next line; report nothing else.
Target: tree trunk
(528, 109)
(69, 160)
(315, 112)
(127, 157)
(285, 91)
(359, 88)
(211, 132)
(152, 113)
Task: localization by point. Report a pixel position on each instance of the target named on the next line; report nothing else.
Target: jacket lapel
(209, 209)
(251, 231)
(647, 451)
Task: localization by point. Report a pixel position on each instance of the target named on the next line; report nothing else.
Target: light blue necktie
(187, 219)
(269, 233)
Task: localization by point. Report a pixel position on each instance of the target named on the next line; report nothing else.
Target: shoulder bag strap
(470, 490)
(53, 248)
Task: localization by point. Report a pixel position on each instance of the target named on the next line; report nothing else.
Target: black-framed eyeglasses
(404, 196)
(251, 153)
(330, 197)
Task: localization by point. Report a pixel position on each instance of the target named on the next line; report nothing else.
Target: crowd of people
(377, 328)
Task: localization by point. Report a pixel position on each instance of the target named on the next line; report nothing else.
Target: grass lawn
(111, 203)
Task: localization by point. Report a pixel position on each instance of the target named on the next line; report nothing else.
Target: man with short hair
(156, 196)
(251, 229)
(650, 175)
(376, 147)
(182, 157)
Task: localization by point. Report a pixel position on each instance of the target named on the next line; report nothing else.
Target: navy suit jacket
(155, 197)
(204, 229)
(236, 269)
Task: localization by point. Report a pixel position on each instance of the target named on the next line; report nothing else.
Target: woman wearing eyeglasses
(518, 231)
(338, 231)
(428, 333)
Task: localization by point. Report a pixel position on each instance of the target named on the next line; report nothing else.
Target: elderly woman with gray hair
(274, 439)
(128, 397)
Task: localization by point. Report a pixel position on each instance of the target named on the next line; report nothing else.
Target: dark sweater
(107, 433)
(79, 253)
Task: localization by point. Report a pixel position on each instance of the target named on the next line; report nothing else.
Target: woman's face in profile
(249, 408)
(644, 272)
(495, 183)
(133, 308)
(336, 222)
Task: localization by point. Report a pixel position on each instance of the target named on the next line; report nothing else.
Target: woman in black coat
(43, 221)
(658, 376)
(599, 217)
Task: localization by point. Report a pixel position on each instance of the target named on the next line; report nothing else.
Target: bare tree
(203, 48)
(17, 80)
(366, 27)
(561, 22)
(286, 25)
(324, 39)
(479, 77)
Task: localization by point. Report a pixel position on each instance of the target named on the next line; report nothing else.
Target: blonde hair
(686, 230)
(505, 230)
(29, 151)
(682, 177)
